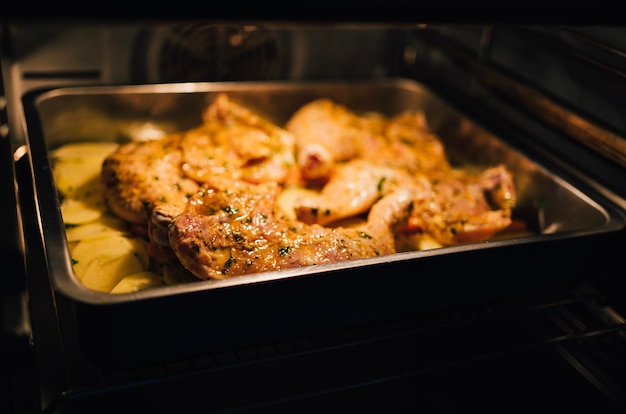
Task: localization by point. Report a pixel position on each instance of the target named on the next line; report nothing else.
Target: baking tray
(187, 320)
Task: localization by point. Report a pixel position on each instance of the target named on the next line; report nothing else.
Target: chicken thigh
(232, 142)
(232, 228)
(327, 133)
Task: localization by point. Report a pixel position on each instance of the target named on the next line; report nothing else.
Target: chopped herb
(284, 250)
(238, 237)
(452, 230)
(231, 260)
(364, 235)
(381, 182)
(230, 210)
(74, 261)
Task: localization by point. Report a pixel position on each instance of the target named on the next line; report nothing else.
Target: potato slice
(416, 242)
(83, 261)
(84, 210)
(137, 282)
(101, 249)
(71, 246)
(76, 177)
(101, 227)
(109, 268)
(85, 150)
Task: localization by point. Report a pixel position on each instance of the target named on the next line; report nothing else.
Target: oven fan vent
(194, 52)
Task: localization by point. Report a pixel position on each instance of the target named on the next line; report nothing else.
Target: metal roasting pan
(187, 320)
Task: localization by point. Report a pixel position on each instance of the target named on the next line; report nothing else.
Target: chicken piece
(237, 151)
(237, 143)
(161, 218)
(452, 207)
(232, 228)
(352, 190)
(464, 207)
(407, 143)
(140, 175)
(328, 133)
(232, 142)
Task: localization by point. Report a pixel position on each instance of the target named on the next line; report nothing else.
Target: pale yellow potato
(76, 178)
(98, 150)
(70, 246)
(107, 270)
(84, 210)
(103, 226)
(87, 251)
(84, 263)
(426, 242)
(137, 282)
(416, 241)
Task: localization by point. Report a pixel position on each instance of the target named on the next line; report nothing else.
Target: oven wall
(561, 89)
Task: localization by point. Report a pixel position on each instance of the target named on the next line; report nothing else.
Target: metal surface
(563, 216)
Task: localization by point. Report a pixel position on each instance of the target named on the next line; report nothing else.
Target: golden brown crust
(140, 175)
(210, 193)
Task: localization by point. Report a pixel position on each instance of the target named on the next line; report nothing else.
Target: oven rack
(483, 355)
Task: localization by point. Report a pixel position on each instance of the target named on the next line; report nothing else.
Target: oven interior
(555, 92)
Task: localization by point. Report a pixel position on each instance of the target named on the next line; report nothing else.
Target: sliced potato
(137, 282)
(77, 177)
(103, 226)
(88, 251)
(85, 150)
(70, 246)
(85, 210)
(416, 242)
(84, 261)
(108, 269)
